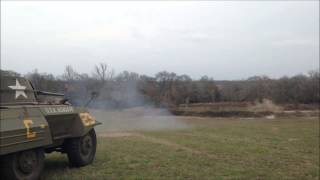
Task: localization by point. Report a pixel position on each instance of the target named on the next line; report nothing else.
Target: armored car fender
(67, 121)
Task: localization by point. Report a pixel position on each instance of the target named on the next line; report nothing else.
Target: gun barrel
(49, 93)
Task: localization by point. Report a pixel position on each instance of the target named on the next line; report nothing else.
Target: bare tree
(103, 72)
(70, 74)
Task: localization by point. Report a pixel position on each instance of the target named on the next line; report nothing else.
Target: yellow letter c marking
(27, 123)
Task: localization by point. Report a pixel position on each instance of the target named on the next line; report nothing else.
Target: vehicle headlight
(87, 119)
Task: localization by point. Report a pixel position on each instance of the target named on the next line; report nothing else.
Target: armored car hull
(29, 128)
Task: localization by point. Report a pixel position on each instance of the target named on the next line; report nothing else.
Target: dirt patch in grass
(221, 113)
(266, 108)
(117, 134)
(155, 140)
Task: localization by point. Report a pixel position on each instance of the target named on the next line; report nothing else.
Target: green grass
(211, 148)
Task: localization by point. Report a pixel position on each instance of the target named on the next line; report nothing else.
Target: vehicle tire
(81, 151)
(24, 165)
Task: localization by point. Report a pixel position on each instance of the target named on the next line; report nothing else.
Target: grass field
(205, 148)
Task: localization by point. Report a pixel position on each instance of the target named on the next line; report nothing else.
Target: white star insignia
(19, 90)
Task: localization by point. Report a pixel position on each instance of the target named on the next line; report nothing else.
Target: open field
(201, 148)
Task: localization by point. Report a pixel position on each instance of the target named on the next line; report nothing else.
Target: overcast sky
(224, 40)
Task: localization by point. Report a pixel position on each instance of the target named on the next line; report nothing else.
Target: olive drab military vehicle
(33, 123)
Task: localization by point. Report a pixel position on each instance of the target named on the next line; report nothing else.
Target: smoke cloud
(139, 118)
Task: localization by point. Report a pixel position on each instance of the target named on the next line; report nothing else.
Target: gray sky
(224, 40)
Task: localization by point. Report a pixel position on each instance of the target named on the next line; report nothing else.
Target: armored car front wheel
(26, 165)
(81, 151)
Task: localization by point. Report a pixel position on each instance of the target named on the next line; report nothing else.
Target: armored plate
(16, 90)
(22, 129)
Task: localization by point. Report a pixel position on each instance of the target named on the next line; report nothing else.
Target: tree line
(168, 89)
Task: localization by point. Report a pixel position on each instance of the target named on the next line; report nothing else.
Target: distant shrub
(265, 105)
